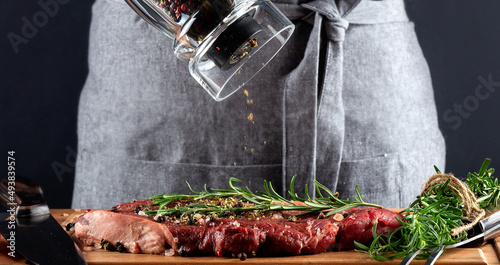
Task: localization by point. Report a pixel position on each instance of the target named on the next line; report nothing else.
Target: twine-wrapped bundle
(472, 210)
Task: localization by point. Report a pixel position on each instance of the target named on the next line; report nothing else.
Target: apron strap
(313, 113)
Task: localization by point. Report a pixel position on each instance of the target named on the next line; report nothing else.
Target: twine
(472, 210)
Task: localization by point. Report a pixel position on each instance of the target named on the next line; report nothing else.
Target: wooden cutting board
(487, 254)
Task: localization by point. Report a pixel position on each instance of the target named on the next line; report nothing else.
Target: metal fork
(484, 230)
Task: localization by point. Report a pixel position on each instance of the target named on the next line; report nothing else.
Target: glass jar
(226, 42)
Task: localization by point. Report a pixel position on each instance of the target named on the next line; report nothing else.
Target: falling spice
(244, 50)
(249, 147)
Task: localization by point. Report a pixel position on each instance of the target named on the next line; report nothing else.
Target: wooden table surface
(486, 254)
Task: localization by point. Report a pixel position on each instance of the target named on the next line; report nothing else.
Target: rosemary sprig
(267, 200)
(427, 223)
(484, 186)
(429, 220)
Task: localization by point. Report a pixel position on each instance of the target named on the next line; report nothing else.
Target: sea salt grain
(338, 217)
(156, 217)
(87, 248)
(169, 252)
(277, 216)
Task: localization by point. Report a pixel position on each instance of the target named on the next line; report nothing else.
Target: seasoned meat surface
(272, 235)
(358, 226)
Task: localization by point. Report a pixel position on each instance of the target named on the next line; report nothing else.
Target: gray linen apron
(347, 102)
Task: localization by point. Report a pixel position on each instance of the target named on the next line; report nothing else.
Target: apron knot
(334, 25)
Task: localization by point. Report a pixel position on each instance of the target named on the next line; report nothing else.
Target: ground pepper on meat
(161, 219)
(230, 208)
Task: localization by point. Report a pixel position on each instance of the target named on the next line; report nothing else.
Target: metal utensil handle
(490, 222)
(436, 253)
(492, 233)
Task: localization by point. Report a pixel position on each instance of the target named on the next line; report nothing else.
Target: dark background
(41, 81)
